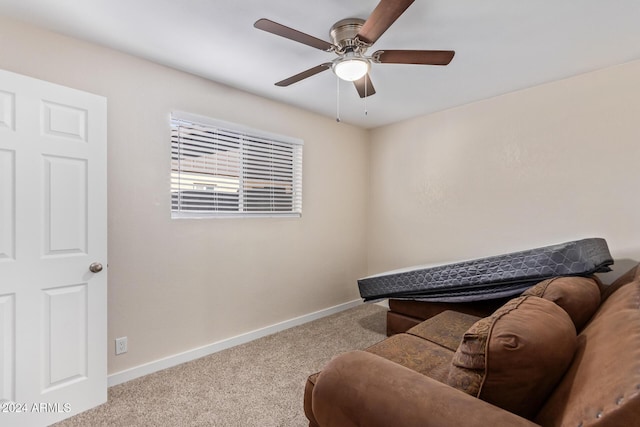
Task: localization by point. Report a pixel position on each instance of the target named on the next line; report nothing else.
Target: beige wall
(540, 166)
(179, 284)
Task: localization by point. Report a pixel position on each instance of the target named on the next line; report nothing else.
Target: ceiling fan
(351, 38)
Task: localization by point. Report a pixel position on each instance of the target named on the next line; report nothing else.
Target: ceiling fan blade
(291, 34)
(364, 86)
(303, 75)
(420, 57)
(381, 19)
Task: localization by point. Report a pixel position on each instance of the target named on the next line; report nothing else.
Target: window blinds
(220, 169)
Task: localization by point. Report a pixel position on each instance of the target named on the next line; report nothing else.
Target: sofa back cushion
(515, 357)
(578, 296)
(602, 385)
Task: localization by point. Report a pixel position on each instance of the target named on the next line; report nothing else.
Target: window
(222, 169)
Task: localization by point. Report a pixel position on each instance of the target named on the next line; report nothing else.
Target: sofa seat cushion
(578, 296)
(515, 357)
(416, 354)
(445, 329)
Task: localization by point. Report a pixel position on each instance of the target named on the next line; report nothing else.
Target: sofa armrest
(362, 389)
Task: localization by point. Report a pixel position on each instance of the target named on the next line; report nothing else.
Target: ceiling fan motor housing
(343, 35)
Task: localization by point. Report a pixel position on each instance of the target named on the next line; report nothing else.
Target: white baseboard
(196, 353)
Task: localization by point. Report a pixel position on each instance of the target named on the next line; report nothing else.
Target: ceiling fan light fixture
(351, 67)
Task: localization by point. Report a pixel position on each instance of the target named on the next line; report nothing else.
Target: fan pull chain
(337, 99)
(366, 83)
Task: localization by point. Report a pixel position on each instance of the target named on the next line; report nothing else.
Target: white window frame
(258, 174)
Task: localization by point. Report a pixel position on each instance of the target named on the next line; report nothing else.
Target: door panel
(65, 201)
(7, 110)
(7, 205)
(52, 227)
(64, 121)
(66, 344)
(7, 350)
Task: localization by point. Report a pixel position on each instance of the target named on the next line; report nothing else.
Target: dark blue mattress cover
(493, 277)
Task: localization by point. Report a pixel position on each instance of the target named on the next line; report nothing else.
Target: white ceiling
(501, 45)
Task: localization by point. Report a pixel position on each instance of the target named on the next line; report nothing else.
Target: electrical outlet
(121, 345)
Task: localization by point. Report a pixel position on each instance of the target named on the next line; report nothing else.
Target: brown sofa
(565, 353)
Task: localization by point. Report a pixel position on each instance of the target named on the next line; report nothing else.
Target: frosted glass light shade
(351, 68)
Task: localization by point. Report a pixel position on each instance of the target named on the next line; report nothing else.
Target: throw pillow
(515, 357)
(578, 296)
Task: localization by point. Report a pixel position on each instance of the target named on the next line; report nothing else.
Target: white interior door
(53, 204)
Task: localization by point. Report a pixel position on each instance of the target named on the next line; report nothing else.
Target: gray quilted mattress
(493, 277)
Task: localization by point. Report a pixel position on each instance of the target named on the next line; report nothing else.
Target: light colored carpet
(260, 383)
